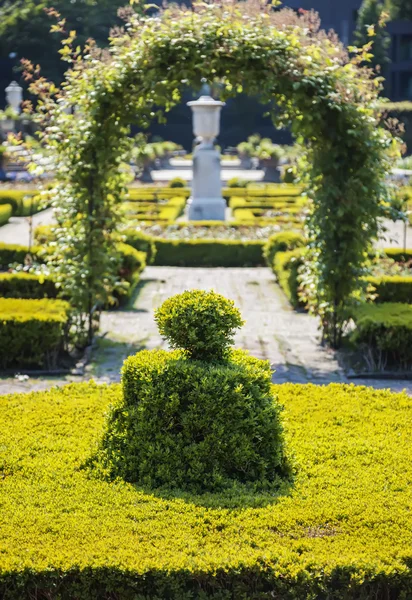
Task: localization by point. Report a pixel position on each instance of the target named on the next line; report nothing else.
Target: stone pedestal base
(207, 209)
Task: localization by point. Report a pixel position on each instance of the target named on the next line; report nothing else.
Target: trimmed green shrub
(385, 330)
(24, 203)
(286, 268)
(13, 253)
(397, 288)
(169, 211)
(26, 285)
(398, 254)
(31, 332)
(208, 253)
(5, 213)
(342, 533)
(177, 182)
(237, 182)
(282, 242)
(202, 323)
(142, 242)
(133, 262)
(200, 419)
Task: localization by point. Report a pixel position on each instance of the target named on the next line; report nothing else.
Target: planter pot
(245, 161)
(271, 170)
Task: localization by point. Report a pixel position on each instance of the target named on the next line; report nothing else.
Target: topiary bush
(203, 323)
(201, 418)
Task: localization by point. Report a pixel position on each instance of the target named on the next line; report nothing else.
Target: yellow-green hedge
(343, 532)
(6, 211)
(146, 211)
(31, 332)
(23, 202)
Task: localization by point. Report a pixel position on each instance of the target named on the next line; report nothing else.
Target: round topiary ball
(202, 323)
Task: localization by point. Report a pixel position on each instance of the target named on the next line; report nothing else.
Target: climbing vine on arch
(327, 99)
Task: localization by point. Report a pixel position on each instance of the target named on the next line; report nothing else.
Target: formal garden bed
(341, 531)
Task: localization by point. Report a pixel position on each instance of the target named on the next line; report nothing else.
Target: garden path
(17, 230)
(288, 339)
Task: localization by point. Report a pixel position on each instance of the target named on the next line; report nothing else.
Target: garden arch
(327, 99)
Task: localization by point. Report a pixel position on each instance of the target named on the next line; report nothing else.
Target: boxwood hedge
(31, 331)
(343, 532)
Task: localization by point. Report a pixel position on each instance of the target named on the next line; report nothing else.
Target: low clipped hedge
(385, 331)
(396, 288)
(14, 253)
(282, 242)
(6, 212)
(31, 332)
(208, 253)
(146, 211)
(286, 268)
(342, 532)
(26, 285)
(133, 262)
(23, 202)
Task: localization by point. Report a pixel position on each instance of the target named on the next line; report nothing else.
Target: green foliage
(342, 532)
(177, 182)
(26, 285)
(208, 253)
(25, 28)
(262, 190)
(132, 263)
(150, 211)
(286, 266)
(386, 332)
(282, 242)
(202, 323)
(6, 211)
(369, 15)
(399, 254)
(328, 100)
(31, 332)
(142, 242)
(237, 182)
(395, 288)
(401, 9)
(24, 203)
(13, 253)
(170, 432)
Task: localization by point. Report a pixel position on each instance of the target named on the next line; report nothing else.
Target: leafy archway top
(327, 98)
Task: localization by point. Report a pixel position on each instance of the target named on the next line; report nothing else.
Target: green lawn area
(343, 531)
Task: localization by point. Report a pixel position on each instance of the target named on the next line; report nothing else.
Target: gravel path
(273, 331)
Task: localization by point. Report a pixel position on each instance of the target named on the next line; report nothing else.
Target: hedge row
(268, 216)
(14, 253)
(26, 285)
(155, 212)
(24, 203)
(29, 285)
(31, 332)
(286, 268)
(385, 330)
(281, 202)
(342, 532)
(263, 190)
(208, 253)
(396, 288)
(6, 212)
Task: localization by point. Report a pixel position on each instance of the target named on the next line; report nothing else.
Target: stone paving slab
(17, 230)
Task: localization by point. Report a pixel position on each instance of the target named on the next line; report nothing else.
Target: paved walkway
(273, 331)
(17, 230)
